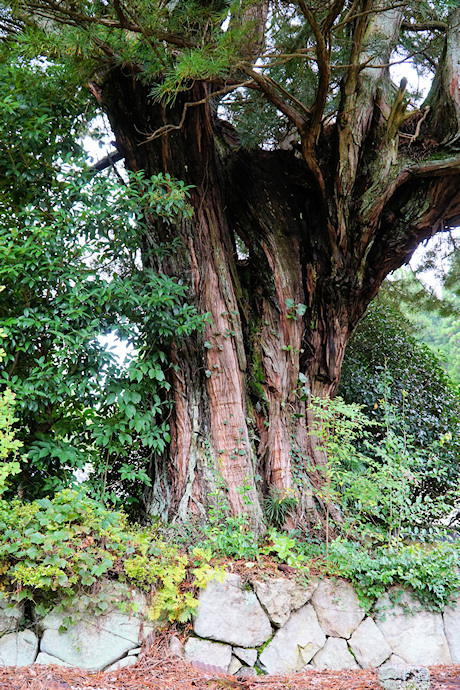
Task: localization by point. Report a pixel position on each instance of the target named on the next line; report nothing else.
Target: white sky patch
(122, 350)
(415, 81)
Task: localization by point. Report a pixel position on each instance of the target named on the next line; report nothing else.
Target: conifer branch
(270, 90)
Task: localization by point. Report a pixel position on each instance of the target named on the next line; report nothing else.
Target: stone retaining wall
(290, 626)
(89, 641)
(272, 626)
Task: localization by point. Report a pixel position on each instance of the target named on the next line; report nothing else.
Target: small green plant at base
(278, 505)
(285, 547)
(168, 574)
(231, 536)
(245, 491)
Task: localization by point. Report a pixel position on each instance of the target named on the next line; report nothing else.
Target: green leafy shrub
(432, 573)
(71, 276)
(51, 549)
(376, 487)
(9, 444)
(74, 278)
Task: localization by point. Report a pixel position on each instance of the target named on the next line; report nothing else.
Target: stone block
(280, 597)
(234, 666)
(404, 678)
(338, 609)
(394, 660)
(452, 629)
(18, 649)
(47, 659)
(228, 613)
(415, 635)
(10, 614)
(369, 645)
(95, 642)
(294, 644)
(207, 653)
(334, 656)
(248, 656)
(246, 672)
(176, 648)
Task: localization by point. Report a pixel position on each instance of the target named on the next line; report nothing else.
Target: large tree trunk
(321, 232)
(212, 456)
(238, 414)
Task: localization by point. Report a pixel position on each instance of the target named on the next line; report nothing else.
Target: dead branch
(161, 131)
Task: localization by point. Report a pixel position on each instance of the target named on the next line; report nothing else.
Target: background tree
(426, 296)
(441, 332)
(436, 317)
(387, 367)
(365, 180)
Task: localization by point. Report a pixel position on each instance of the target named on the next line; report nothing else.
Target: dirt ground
(157, 670)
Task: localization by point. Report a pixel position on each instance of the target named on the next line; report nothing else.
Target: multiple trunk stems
(321, 235)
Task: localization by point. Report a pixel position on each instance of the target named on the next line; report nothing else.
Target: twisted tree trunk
(322, 231)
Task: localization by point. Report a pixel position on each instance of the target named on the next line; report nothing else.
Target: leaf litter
(157, 670)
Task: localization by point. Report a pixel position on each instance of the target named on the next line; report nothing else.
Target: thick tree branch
(336, 9)
(432, 25)
(443, 167)
(398, 109)
(108, 161)
(324, 75)
(309, 133)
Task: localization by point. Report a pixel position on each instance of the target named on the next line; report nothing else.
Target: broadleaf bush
(57, 548)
